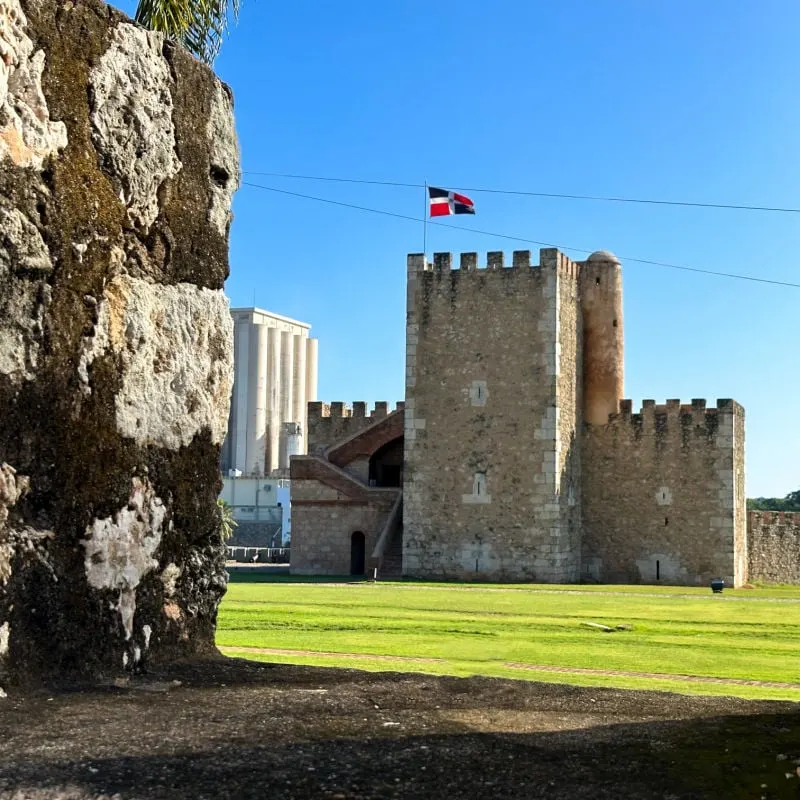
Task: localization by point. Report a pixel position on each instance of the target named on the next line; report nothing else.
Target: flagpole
(425, 220)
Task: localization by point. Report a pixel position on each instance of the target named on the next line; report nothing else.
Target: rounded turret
(603, 341)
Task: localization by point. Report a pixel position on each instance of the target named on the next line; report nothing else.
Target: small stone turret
(603, 342)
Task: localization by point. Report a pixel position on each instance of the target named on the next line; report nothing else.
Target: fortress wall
(569, 402)
(325, 516)
(773, 540)
(329, 423)
(484, 465)
(663, 495)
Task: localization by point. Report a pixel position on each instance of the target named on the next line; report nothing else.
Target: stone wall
(662, 495)
(332, 422)
(773, 540)
(488, 458)
(568, 485)
(118, 160)
(255, 534)
(325, 514)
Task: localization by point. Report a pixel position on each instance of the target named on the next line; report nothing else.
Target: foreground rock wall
(118, 161)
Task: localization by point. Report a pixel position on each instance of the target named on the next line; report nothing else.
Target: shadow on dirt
(245, 730)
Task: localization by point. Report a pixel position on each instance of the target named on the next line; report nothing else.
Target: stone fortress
(515, 456)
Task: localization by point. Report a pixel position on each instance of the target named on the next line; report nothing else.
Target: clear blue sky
(674, 100)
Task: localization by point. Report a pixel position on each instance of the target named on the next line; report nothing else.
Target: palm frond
(199, 25)
(226, 521)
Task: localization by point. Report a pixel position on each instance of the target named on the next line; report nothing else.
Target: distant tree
(199, 25)
(789, 503)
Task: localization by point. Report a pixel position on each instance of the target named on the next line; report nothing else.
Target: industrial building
(275, 377)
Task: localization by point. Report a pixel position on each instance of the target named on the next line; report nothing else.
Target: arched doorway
(357, 553)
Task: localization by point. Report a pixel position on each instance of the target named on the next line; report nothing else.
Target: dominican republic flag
(444, 203)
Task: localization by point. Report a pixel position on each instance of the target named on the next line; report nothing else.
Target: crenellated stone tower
(492, 478)
(523, 461)
(515, 457)
(600, 289)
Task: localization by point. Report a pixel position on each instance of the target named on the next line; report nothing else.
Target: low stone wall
(118, 160)
(255, 534)
(773, 546)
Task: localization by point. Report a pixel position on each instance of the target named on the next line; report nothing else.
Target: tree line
(789, 503)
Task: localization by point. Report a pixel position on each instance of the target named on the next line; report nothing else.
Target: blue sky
(674, 100)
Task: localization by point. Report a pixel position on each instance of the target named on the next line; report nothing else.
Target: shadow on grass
(254, 575)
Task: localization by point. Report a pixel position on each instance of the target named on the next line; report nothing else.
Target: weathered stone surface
(225, 171)
(172, 343)
(660, 496)
(132, 118)
(773, 546)
(115, 342)
(24, 264)
(27, 134)
(490, 477)
(22, 245)
(119, 550)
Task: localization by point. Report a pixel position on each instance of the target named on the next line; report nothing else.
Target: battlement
(758, 517)
(356, 410)
(660, 418)
(329, 423)
(549, 258)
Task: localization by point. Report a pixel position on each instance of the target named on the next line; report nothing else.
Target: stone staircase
(392, 566)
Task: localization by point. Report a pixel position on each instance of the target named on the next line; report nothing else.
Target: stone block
(118, 161)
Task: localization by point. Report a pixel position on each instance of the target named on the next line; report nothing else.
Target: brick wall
(773, 546)
(660, 500)
(483, 472)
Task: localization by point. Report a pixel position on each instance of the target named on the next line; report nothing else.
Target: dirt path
(610, 592)
(663, 676)
(231, 728)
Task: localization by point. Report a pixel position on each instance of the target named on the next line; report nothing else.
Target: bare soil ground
(230, 728)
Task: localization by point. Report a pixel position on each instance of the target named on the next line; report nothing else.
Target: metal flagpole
(425, 220)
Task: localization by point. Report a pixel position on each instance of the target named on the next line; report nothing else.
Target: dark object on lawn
(717, 585)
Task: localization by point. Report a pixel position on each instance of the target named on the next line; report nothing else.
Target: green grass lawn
(489, 629)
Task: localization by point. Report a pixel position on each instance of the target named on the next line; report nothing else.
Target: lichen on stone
(12, 488)
(224, 153)
(174, 350)
(23, 257)
(27, 135)
(119, 550)
(131, 117)
(169, 579)
(115, 340)
(21, 244)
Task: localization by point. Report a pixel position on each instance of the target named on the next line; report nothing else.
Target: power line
(418, 220)
(552, 195)
(335, 180)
